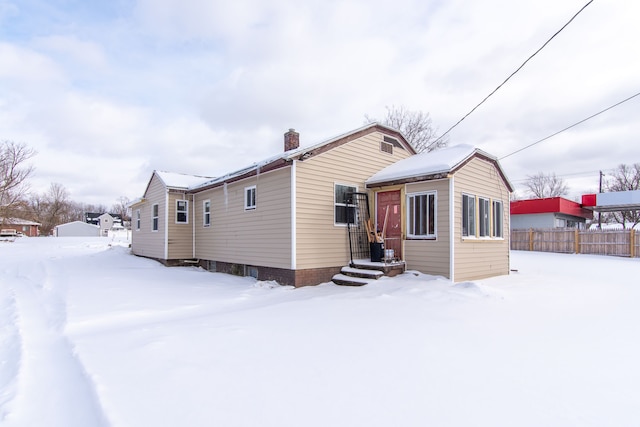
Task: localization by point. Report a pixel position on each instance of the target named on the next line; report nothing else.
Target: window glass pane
(421, 215)
(497, 218)
(344, 212)
(181, 211)
(432, 214)
(468, 215)
(412, 216)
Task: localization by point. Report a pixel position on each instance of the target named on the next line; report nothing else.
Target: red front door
(388, 211)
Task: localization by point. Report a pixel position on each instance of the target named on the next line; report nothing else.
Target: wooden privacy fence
(564, 240)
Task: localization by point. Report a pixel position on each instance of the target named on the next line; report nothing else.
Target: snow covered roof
(18, 221)
(297, 153)
(180, 180)
(424, 164)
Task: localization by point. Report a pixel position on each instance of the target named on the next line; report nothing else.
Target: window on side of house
(206, 213)
(344, 209)
(154, 217)
(138, 219)
(250, 198)
(484, 217)
(421, 215)
(468, 215)
(182, 212)
(498, 217)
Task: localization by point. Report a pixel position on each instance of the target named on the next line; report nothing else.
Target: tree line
(50, 208)
(623, 178)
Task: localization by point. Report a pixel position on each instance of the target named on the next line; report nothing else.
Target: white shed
(77, 229)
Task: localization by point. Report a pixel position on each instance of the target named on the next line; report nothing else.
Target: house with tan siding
(453, 209)
(288, 218)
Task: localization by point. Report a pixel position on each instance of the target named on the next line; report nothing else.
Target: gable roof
(304, 153)
(195, 183)
(432, 165)
(180, 181)
(18, 221)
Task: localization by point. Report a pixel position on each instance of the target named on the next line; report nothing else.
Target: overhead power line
(573, 125)
(511, 75)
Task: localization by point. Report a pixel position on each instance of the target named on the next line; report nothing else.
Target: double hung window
(154, 217)
(182, 212)
(206, 213)
(344, 208)
(250, 198)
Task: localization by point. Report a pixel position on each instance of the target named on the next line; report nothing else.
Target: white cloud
(207, 87)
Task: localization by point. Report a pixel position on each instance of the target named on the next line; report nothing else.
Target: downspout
(193, 226)
(166, 226)
(452, 216)
(293, 215)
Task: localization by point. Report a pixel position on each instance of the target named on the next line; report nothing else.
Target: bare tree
(122, 208)
(625, 178)
(416, 126)
(13, 176)
(541, 185)
(52, 208)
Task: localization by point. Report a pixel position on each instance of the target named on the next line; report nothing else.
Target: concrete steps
(363, 272)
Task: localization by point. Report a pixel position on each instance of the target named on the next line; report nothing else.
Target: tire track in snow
(53, 388)
(10, 348)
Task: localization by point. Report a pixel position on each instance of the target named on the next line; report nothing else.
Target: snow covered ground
(93, 336)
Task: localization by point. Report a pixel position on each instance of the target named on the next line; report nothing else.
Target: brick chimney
(291, 140)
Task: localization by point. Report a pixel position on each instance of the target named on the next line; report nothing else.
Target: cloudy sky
(108, 91)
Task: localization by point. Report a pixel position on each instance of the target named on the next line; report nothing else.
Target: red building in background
(551, 212)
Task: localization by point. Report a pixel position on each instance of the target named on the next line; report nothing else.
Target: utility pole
(600, 213)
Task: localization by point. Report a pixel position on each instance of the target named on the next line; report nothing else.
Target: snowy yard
(93, 336)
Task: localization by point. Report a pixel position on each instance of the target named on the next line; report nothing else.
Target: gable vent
(386, 147)
(393, 141)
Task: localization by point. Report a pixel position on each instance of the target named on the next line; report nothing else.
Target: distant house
(76, 229)
(551, 212)
(21, 226)
(106, 221)
(290, 218)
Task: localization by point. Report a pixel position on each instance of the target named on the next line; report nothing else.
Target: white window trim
(138, 220)
(435, 216)
(336, 203)
(479, 200)
(205, 213)
(475, 223)
(493, 219)
(247, 206)
(186, 211)
(477, 219)
(155, 220)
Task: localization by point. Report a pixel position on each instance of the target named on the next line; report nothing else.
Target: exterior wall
(526, 221)
(145, 242)
(321, 243)
(180, 236)
(28, 230)
(430, 256)
(259, 237)
(477, 258)
(546, 220)
(77, 229)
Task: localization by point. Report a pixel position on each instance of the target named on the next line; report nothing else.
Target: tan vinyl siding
(480, 257)
(321, 243)
(180, 242)
(260, 237)
(146, 242)
(430, 256)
